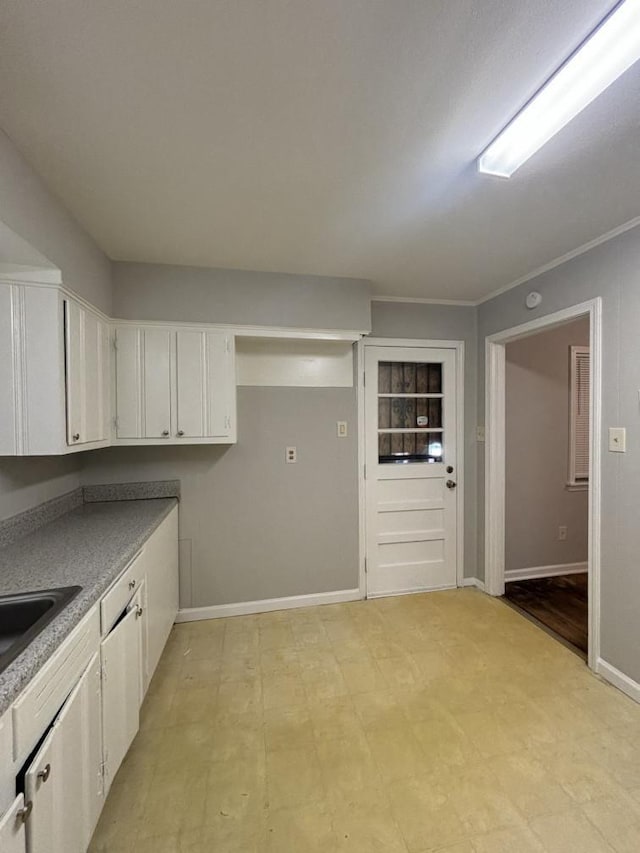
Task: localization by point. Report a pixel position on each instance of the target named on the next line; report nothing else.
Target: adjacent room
(319, 426)
(547, 479)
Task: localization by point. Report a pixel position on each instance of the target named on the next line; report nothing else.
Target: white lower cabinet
(13, 832)
(121, 653)
(64, 738)
(161, 563)
(63, 784)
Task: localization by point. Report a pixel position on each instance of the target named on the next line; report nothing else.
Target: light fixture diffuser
(608, 52)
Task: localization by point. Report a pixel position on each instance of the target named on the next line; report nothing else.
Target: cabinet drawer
(120, 593)
(36, 707)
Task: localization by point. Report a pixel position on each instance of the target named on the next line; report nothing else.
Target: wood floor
(558, 603)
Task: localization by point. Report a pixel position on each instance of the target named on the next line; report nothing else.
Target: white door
(12, 828)
(410, 446)
(121, 688)
(205, 384)
(64, 781)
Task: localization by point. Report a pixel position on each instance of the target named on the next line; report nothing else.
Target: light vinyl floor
(444, 721)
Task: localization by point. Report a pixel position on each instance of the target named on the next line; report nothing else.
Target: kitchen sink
(23, 616)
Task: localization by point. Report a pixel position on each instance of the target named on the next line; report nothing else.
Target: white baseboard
(473, 582)
(545, 571)
(618, 679)
(245, 608)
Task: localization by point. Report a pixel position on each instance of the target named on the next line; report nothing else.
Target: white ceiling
(333, 137)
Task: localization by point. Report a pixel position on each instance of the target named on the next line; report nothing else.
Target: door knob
(450, 484)
(449, 469)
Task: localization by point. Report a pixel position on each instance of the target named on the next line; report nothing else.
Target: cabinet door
(143, 383)
(157, 383)
(121, 654)
(205, 384)
(12, 829)
(161, 562)
(86, 354)
(64, 781)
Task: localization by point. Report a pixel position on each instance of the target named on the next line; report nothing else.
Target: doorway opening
(542, 485)
(547, 478)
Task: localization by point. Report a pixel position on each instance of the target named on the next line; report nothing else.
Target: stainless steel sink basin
(23, 616)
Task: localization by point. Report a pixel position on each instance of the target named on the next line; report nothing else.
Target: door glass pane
(409, 412)
(410, 447)
(409, 377)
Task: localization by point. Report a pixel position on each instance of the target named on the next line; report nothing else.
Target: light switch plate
(291, 454)
(617, 439)
(342, 430)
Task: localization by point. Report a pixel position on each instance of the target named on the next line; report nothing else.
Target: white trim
(459, 474)
(578, 486)
(556, 262)
(545, 571)
(411, 342)
(618, 679)
(422, 300)
(495, 454)
(362, 501)
(266, 605)
(475, 582)
(257, 331)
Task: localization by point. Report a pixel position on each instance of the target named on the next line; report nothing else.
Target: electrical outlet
(341, 427)
(291, 454)
(562, 533)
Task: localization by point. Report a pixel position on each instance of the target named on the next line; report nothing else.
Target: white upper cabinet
(174, 386)
(87, 376)
(205, 385)
(143, 383)
(54, 372)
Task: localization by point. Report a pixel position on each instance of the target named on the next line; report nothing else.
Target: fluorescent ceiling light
(604, 56)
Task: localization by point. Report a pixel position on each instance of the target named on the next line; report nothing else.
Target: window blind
(579, 425)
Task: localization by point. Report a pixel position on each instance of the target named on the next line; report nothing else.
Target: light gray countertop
(88, 547)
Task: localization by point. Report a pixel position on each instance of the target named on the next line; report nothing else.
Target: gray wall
(256, 526)
(453, 323)
(612, 271)
(537, 433)
(183, 294)
(27, 207)
(28, 481)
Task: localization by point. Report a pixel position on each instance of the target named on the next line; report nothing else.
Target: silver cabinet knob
(132, 584)
(165, 432)
(43, 775)
(180, 432)
(76, 436)
(139, 612)
(23, 814)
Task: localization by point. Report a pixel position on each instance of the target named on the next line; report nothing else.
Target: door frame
(458, 346)
(495, 453)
